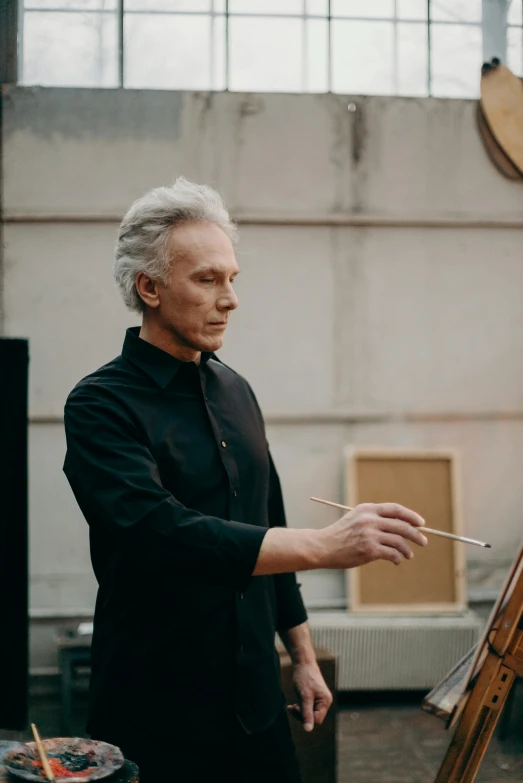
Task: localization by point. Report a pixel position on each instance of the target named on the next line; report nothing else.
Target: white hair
(142, 244)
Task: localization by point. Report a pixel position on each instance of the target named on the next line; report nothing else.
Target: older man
(168, 460)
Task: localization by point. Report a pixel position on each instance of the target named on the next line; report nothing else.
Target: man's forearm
(298, 644)
(368, 532)
(285, 550)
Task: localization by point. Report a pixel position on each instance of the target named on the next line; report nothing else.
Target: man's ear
(148, 289)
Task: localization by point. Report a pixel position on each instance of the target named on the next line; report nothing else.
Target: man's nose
(229, 301)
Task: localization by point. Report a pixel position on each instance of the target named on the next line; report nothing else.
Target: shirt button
(241, 647)
(224, 444)
(241, 596)
(235, 493)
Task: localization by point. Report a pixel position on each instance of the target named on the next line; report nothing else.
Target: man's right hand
(371, 531)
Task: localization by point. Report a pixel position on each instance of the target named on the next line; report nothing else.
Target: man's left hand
(314, 696)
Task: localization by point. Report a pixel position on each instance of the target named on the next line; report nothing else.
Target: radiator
(394, 652)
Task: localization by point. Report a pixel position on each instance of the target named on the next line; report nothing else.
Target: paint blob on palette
(71, 759)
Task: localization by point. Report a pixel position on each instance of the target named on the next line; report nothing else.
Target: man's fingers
(398, 528)
(396, 511)
(295, 711)
(389, 553)
(307, 711)
(320, 710)
(397, 542)
(321, 707)
(318, 715)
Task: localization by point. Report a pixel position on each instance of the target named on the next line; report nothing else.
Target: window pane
(266, 6)
(70, 49)
(515, 50)
(456, 61)
(515, 12)
(412, 9)
(168, 52)
(219, 6)
(317, 55)
(265, 54)
(317, 7)
(456, 10)
(88, 5)
(376, 8)
(362, 57)
(167, 5)
(412, 59)
(218, 54)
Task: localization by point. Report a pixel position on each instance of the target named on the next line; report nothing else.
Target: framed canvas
(428, 482)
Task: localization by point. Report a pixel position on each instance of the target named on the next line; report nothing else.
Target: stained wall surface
(381, 294)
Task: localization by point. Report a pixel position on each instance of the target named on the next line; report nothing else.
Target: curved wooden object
(494, 151)
(502, 107)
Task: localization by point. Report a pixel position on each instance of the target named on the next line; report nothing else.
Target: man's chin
(211, 345)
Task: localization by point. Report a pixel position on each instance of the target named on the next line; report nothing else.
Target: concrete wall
(380, 298)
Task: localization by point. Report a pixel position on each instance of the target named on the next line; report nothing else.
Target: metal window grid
(226, 14)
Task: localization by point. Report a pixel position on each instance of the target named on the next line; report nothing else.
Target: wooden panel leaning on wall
(429, 482)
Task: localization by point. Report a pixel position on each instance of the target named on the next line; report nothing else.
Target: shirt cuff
(239, 549)
(291, 609)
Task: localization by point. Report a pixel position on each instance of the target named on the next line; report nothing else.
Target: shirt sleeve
(290, 608)
(117, 484)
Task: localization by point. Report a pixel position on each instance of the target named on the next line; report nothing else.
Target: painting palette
(71, 759)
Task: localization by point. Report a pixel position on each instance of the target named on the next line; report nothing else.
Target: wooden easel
(472, 696)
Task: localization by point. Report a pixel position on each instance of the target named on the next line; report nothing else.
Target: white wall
(381, 298)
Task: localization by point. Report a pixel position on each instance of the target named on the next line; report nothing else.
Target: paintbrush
(43, 758)
(422, 529)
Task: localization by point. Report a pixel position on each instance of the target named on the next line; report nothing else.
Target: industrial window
(374, 47)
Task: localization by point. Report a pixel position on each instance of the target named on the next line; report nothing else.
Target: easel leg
(507, 713)
(473, 734)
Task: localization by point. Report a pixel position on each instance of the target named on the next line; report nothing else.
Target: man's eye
(207, 280)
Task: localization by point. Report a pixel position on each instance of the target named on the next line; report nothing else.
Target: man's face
(196, 304)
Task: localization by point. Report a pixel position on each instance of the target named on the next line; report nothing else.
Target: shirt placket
(226, 450)
(228, 459)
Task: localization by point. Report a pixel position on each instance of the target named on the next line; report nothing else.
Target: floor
(395, 742)
(381, 740)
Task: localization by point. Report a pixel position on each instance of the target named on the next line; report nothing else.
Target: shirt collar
(158, 364)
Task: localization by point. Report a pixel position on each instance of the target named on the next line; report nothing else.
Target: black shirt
(170, 466)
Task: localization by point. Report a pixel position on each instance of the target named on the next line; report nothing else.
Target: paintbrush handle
(334, 505)
(43, 758)
(440, 533)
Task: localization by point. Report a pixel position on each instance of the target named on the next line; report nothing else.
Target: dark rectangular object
(14, 357)
(316, 751)
(8, 41)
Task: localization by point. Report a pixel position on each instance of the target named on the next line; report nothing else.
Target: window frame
(220, 9)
